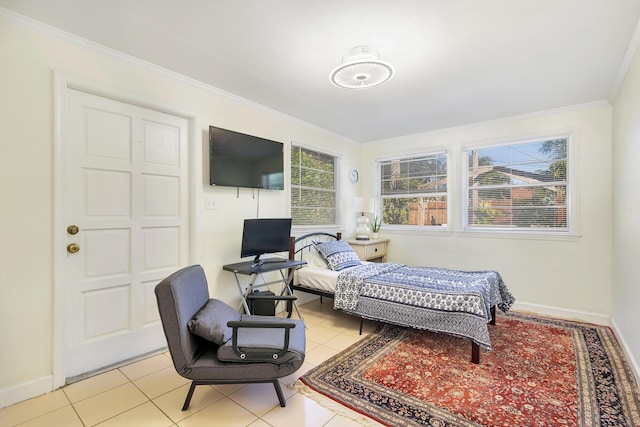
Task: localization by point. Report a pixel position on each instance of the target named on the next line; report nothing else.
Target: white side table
(370, 250)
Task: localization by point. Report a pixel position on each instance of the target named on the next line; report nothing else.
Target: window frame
(337, 160)
(434, 151)
(571, 183)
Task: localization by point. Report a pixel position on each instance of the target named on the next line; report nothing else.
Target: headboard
(300, 245)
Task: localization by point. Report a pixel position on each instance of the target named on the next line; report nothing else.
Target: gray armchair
(238, 349)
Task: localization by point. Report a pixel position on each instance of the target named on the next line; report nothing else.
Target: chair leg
(189, 395)
(276, 385)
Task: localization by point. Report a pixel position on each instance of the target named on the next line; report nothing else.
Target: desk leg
(242, 292)
(287, 279)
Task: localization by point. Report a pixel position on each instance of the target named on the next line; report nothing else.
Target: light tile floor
(150, 393)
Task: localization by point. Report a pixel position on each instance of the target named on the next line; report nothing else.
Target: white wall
(29, 55)
(626, 212)
(572, 276)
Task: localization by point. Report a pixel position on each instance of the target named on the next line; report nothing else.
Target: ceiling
(457, 61)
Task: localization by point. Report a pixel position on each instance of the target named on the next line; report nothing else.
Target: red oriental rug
(541, 372)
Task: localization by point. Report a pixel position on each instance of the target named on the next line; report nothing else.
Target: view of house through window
(313, 187)
(518, 186)
(413, 190)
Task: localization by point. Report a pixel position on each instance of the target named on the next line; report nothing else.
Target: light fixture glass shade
(361, 70)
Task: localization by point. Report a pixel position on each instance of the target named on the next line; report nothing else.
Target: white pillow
(314, 259)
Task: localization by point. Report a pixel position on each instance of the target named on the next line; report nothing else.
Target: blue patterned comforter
(441, 300)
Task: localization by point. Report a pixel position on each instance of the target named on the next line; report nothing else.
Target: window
(413, 190)
(313, 187)
(518, 186)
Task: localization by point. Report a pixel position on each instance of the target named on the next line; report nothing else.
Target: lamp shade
(363, 204)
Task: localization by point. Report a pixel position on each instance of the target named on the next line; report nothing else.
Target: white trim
(515, 139)
(62, 82)
(412, 230)
(563, 313)
(322, 150)
(494, 233)
(16, 18)
(633, 363)
(26, 390)
(632, 49)
(501, 120)
(58, 338)
(430, 151)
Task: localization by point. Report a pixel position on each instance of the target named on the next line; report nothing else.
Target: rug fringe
(332, 405)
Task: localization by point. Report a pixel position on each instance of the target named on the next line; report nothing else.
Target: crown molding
(15, 18)
(625, 65)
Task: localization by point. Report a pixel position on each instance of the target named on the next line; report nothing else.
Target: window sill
(520, 235)
(308, 228)
(482, 234)
(407, 229)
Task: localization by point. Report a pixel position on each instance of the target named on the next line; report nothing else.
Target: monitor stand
(258, 262)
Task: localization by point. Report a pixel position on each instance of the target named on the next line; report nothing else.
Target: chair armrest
(272, 297)
(260, 353)
(235, 324)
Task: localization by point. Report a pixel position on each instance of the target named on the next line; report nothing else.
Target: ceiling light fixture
(361, 69)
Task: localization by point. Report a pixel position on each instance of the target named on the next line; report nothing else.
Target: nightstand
(370, 250)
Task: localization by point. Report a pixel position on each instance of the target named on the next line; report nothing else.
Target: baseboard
(563, 313)
(633, 363)
(27, 390)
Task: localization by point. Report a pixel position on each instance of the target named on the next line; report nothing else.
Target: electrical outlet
(210, 203)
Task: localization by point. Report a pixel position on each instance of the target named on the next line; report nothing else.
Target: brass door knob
(73, 248)
(73, 229)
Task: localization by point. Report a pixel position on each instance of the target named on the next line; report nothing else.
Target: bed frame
(297, 248)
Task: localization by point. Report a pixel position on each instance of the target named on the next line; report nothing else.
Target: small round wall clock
(354, 176)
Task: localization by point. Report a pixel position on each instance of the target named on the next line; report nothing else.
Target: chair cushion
(339, 254)
(210, 322)
(268, 340)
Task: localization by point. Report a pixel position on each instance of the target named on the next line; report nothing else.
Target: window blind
(313, 187)
(518, 186)
(413, 190)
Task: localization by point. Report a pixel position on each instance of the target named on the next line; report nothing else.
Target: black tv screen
(265, 236)
(239, 160)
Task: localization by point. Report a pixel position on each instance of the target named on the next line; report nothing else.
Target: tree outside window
(518, 186)
(413, 190)
(313, 187)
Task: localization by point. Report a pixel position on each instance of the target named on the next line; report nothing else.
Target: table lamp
(363, 205)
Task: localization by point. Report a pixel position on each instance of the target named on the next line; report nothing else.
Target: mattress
(321, 279)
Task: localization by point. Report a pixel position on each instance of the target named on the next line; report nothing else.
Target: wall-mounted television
(265, 236)
(240, 160)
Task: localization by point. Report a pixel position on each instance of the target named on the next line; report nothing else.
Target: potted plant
(375, 226)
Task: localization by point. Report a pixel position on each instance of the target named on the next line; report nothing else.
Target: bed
(459, 303)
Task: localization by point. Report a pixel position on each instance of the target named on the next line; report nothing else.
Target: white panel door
(126, 189)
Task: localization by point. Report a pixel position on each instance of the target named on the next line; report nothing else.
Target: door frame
(62, 81)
